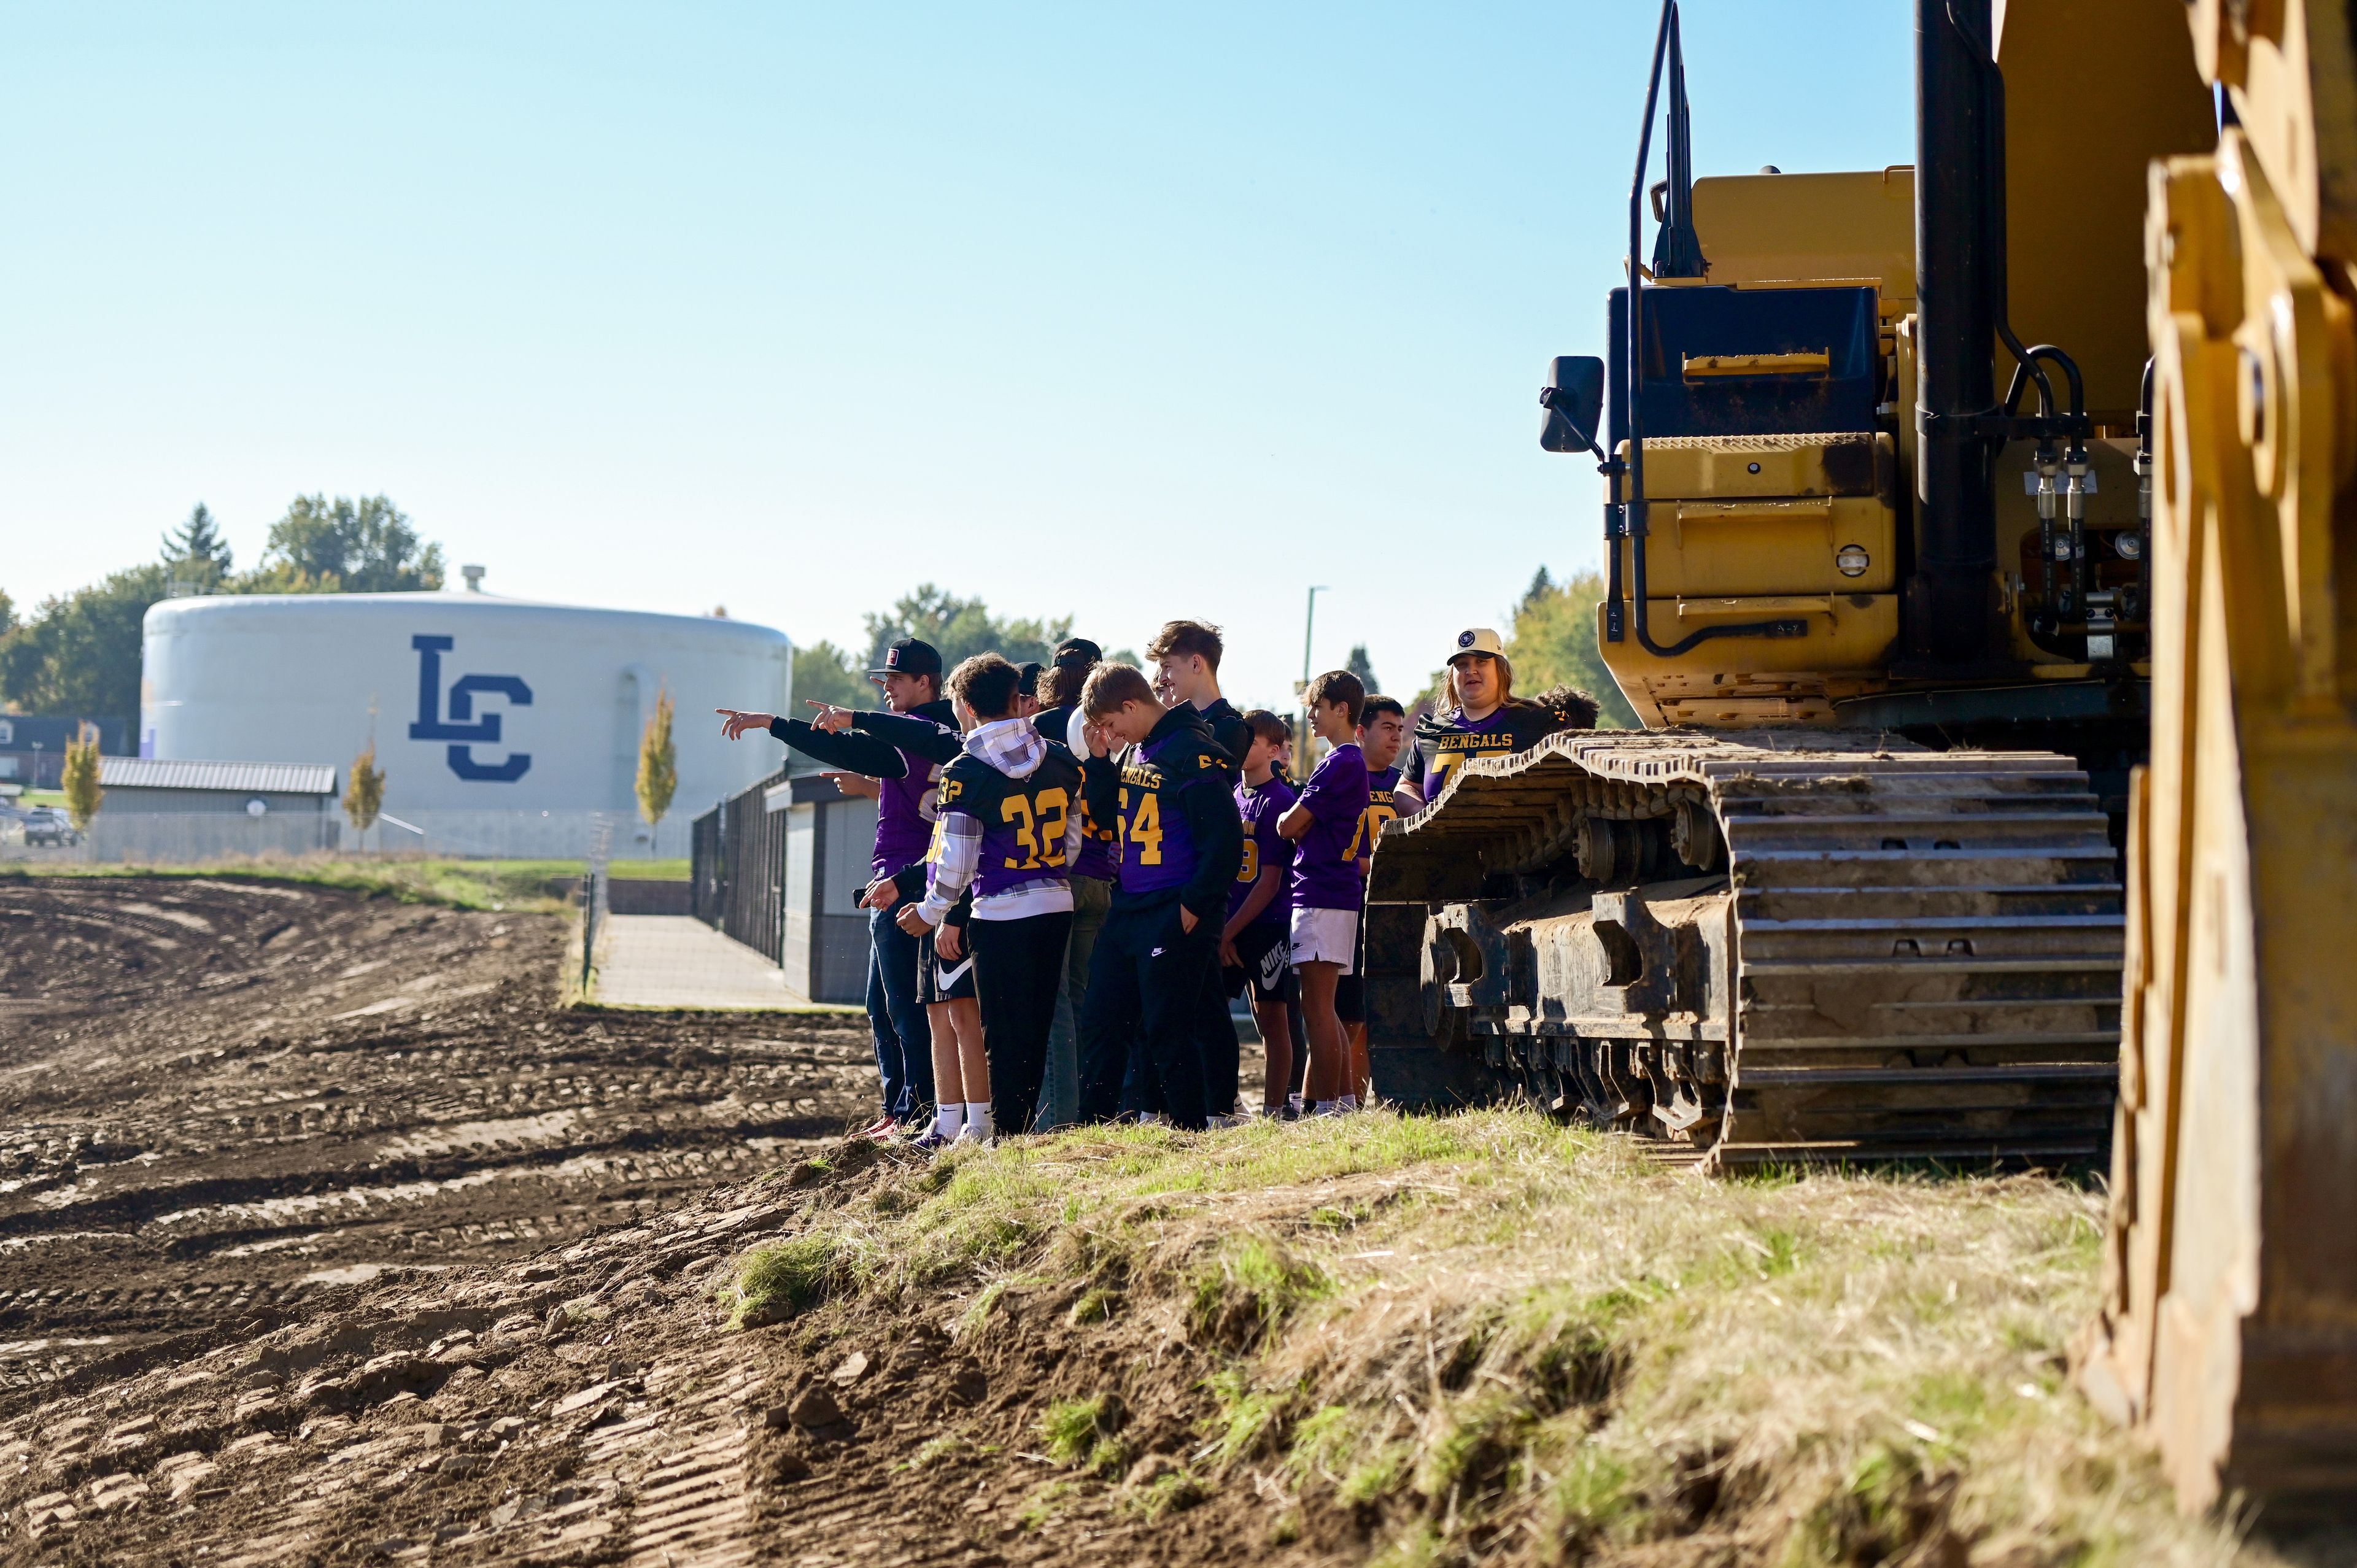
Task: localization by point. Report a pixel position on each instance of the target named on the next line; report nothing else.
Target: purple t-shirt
(1325, 866)
(1265, 847)
(905, 810)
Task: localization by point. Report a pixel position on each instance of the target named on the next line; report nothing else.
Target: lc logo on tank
(462, 727)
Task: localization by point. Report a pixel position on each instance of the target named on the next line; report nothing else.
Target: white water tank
(490, 715)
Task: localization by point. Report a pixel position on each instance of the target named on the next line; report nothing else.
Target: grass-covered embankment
(1486, 1339)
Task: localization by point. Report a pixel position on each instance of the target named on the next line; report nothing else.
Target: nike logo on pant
(945, 978)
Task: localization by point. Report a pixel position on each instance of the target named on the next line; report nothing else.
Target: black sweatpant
(1018, 967)
(1223, 1052)
(1145, 988)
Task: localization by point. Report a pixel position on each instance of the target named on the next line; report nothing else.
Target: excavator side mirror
(1574, 401)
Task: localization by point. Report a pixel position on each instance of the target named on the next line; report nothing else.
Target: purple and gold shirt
(1263, 847)
(1325, 865)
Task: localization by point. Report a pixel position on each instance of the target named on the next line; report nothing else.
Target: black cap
(1028, 684)
(1076, 652)
(910, 655)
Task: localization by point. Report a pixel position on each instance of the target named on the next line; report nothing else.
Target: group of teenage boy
(1077, 867)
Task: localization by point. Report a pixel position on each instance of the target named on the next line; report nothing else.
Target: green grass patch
(776, 1282)
(1469, 1329)
(1083, 1434)
(1251, 1286)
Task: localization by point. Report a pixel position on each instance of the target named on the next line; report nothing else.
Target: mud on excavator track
(1762, 947)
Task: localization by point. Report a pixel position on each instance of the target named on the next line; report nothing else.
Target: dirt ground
(223, 1103)
(327, 1238)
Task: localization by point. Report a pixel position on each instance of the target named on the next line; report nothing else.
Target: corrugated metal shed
(245, 778)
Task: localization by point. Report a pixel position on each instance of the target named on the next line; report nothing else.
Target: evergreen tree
(196, 551)
(1357, 664)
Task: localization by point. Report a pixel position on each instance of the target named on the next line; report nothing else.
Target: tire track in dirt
(221, 1097)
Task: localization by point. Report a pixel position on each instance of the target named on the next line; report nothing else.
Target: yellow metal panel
(1753, 547)
(2228, 1329)
(2094, 90)
(1697, 466)
(1800, 227)
(1741, 681)
(2291, 68)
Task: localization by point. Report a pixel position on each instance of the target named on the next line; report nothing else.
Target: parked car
(46, 824)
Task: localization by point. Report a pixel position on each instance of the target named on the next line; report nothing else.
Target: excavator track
(1766, 947)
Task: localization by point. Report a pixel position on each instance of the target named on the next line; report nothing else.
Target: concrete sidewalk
(674, 960)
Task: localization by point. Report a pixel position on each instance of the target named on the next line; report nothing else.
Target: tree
(960, 628)
(657, 762)
(195, 553)
(825, 673)
(80, 655)
(1551, 643)
(1357, 664)
(81, 782)
(364, 795)
(344, 547)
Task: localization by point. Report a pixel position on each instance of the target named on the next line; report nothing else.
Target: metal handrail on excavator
(1626, 520)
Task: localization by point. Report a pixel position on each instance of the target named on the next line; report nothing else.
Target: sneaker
(883, 1130)
(930, 1139)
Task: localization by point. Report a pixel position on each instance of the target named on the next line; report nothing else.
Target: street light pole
(1308, 628)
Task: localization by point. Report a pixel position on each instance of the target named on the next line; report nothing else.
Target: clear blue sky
(1132, 312)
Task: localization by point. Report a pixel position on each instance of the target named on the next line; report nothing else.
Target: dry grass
(1487, 1338)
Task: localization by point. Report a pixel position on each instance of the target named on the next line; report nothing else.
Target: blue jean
(904, 1040)
(1060, 1091)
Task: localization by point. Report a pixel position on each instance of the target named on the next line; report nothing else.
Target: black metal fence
(738, 865)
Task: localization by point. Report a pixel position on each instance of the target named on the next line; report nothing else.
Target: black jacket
(862, 750)
(1229, 730)
(1185, 755)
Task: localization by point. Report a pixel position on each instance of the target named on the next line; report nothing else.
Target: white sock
(947, 1119)
(1294, 1103)
(1347, 1102)
(977, 1119)
(1322, 1107)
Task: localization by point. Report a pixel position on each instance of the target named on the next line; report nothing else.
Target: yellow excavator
(1980, 561)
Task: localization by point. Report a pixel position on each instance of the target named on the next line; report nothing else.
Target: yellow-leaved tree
(80, 781)
(1552, 643)
(364, 794)
(657, 762)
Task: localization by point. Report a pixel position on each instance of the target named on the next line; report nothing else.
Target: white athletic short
(1325, 936)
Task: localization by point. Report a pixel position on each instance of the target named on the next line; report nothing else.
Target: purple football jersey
(1158, 847)
(1325, 865)
(1265, 847)
(1097, 846)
